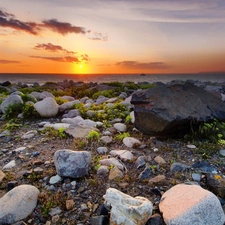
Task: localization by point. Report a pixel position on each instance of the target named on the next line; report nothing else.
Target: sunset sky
(112, 36)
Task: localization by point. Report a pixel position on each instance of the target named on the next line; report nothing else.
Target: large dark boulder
(171, 109)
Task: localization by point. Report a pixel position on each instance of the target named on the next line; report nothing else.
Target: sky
(112, 36)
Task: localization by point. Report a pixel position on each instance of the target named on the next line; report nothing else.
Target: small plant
(121, 136)
(13, 124)
(60, 100)
(13, 110)
(93, 135)
(29, 111)
(128, 119)
(51, 132)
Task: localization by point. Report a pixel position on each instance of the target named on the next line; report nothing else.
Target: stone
(71, 163)
(155, 219)
(216, 183)
(191, 146)
(68, 105)
(55, 211)
(102, 150)
(9, 165)
(179, 167)
(71, 113)
(29, 134)
(168, 109)
(2, 176)
(222, 152)
(196, 177)
(121, 127)
(204, 167)
(115, 173)
(18, 203)
(160, 160)
(11, 100)
(79, 131)
(70, 204)
(191, 204)
(132, 117)
(158, 180)
(145, 174)
(140, 162)
(55, 179)
(127, 210)
(124, 155)
(57, 126)
(106, 139)
(103, 171)
(111, 161)
(47, 107)
(99, 220)
(38, 95)
(75, 121)
(87, 122)
(130, 142)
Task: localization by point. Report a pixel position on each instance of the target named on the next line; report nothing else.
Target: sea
(106, 78)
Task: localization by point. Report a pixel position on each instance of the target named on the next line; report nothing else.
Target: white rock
(73, 121)
(122, 154)
(121, 127)
(191, 204)
(29, 134)
(57, 126)
(9, 165)
(20, 149)
(223, 97)
(87, 122)
(127, 210)
(111, 161)
(38, 95)
(130, 141)
(102, 150)
(55, 179)
(68, 105)
(106, 139)
(69, 98)
(47, 107)
(48, 94)
(191, 146)
(132, 117)
(18, 203)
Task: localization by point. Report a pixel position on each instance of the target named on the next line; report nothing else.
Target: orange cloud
(53, 48)
(3, 61)
(141, 65)
(69, 59)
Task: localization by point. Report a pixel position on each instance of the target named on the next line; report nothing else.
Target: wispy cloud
(66, 59)
(98, 36)
(63, 27)
(142, 65)
(9, 20)
(3, 61)
(53, 48)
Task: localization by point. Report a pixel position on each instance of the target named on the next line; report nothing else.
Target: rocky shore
(70, 153)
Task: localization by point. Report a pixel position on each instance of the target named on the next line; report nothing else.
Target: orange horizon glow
(155, 37)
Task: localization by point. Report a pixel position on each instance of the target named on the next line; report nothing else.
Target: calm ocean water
(100, 78)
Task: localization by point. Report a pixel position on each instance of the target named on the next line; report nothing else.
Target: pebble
(9, 165)
(102, 150)
(2, 176)
(55, 179)
(160, 160)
